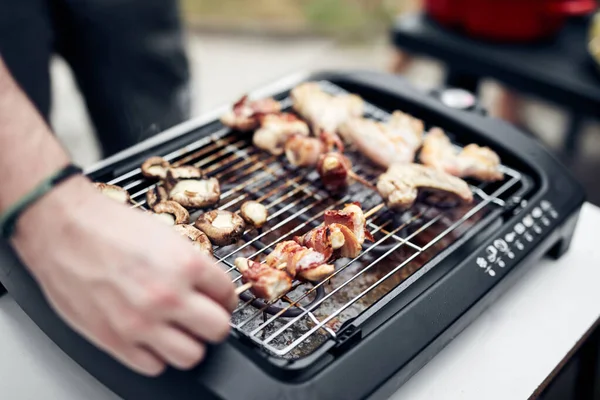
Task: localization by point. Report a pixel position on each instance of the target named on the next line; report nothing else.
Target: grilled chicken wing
(472, 162)
(395, 141)
(306, 264)
(245, 115)
(323, 110)
(267, 282)
(400, 185)
(275, 129)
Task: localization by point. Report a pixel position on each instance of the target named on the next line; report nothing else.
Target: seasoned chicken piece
(400, 185)
(198, 238)
(246, 114)
(472, 162)
(323, 110)
(114, 192)
(302, 151)
(254, 213)
(304, 263)
(353, 218)
(334, 169)
(395, 141)
(275, 129)
(267, 282)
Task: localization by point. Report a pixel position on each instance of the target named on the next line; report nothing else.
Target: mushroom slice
(155, 195)
(198, 238)
(173, 212)
(155, 167)
(254, 213)
(222, 227)
(114, 192)
(174, 175)
(196, 193)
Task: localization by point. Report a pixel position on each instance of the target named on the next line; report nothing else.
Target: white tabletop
(505, 354)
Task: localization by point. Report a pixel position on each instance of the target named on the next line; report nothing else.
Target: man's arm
(128, 283)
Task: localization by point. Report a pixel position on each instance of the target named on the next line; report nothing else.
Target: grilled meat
(400, 185)
(172, 213)
(222, 227)
(254, 213)
(353, 218)
(334, 169)
(155, 195)
(395, 141)
(198, 238)
(114, 192)
(246, 114)
(302, 151)
(323, 110)
(155, 167)
(267, 282)
(472, 162)
(304, 263)
(275, 129)
(333, 241)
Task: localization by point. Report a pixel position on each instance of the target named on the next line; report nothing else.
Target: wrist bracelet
(8, 219)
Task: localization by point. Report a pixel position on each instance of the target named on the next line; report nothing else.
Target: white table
(505, 354)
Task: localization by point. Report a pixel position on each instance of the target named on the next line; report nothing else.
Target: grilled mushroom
(155, 195)
(155, 167)
(254, 213)
(172, 213)
(188, 189)
(222, 227)
(198, 238)
(114, 192)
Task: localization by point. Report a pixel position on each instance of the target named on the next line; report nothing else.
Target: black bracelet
(8, 219)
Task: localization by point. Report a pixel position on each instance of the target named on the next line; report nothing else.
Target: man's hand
(132, 286)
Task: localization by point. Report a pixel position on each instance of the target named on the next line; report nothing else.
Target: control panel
(524, 232)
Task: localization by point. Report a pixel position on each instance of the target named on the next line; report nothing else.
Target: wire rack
(296, 324)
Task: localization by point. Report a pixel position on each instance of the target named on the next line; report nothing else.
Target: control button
(537, 229)
(553, 214)
(510, 237)
(501, 263)
(519, 245)
(482, 262)
(520, 228)
(528, 221)
(545, 221)
(528, 237)
(545, 204)
(537, 212)
(491, 272)
(492, 254)
(510, 255)
(501, 245)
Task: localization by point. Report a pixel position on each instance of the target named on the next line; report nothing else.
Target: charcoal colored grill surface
(310, 314)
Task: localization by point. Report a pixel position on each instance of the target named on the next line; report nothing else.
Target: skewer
(135, 204)
(247, 286)
(374, 210)
(361, 180)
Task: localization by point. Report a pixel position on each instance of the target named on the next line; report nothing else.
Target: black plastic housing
(403, 331)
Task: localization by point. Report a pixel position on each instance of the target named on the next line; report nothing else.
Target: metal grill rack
(299, 322)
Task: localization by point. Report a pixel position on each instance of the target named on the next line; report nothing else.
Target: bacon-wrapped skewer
(265, 281)
(246, 114)
(335, 170)
(301, 262)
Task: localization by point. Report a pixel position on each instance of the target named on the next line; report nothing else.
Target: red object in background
(507, 20)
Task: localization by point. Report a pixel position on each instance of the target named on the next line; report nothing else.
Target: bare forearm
(28, 150)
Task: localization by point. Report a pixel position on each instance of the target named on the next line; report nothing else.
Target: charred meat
(275, 129)
(246, 114)
(267, 282)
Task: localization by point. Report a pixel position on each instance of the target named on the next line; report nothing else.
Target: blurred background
(237, 45)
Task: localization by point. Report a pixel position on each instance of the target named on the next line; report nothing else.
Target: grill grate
(295, 325)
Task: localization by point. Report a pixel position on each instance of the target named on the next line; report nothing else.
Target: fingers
(175, 347)
(203, 317)
(139, 360)
(214, 282)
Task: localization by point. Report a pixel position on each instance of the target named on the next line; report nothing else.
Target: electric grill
(383, 315)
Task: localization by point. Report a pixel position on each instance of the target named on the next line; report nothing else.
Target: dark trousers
(127, 56)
